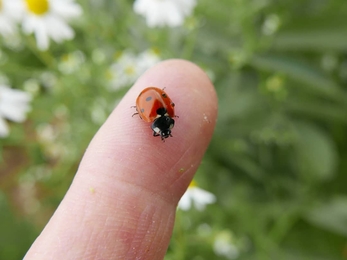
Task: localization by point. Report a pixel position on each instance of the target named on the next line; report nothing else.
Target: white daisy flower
(8, 16)
(124, 71)
(129, 67)
(225, 245)
(48, 19)
(197, 196)
(14, 104)
(160, 13)
(71, 62)
(147, 59)
(271, 24)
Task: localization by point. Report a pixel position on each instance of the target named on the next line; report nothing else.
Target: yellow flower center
(192, 184)
(156, 51)
(109, 75)
(38, 7)
(130, 70)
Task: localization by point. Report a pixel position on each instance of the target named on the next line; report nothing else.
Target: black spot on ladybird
(148, 98)
(142, 110)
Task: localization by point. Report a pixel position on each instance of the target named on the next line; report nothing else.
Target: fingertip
(179, 156)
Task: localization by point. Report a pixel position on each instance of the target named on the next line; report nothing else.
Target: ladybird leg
(163, 139)
(155, 134)
(136, 113)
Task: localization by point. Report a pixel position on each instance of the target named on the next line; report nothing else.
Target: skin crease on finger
(122, 202)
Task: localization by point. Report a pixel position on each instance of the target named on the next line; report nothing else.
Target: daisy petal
(14, 104)
(4, 131)
(41, 35)
(164, 12)
(66, 9)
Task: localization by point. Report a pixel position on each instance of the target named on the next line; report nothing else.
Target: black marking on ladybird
(142, 110)
(149, 98)
(172, 104)
(161, 111)
(164, 95)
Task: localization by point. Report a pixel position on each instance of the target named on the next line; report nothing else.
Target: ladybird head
(165, 134)
(162, 126)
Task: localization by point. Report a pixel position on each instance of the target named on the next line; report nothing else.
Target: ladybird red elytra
(154, 105)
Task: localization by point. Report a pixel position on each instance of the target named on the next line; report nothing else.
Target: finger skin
(122, 202)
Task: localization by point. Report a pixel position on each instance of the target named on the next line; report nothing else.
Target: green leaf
(316, 153)
(316, 109)
(331, 216)
(311, 77)
(311, 40)
(16, 236)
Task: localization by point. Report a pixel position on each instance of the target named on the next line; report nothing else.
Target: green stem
(189, 45)
(45, 57)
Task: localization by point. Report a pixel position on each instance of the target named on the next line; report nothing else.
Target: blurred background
(277, 163)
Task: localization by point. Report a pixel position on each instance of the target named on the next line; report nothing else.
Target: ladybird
(154, 105)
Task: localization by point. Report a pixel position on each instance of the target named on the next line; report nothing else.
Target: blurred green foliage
(278, 159)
